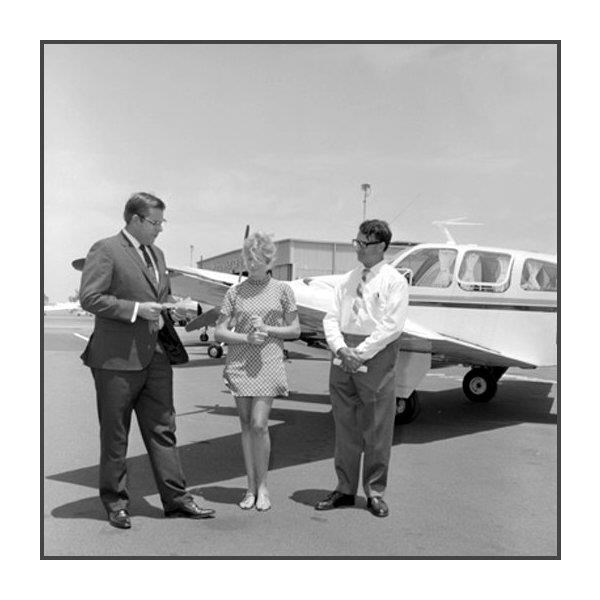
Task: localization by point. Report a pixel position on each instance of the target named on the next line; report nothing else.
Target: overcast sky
(281, 137)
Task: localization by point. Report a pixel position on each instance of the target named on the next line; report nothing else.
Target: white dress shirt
(138, 247)
(380, 313)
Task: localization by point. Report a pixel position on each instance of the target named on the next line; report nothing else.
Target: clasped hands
(351, 360)
(259, 334)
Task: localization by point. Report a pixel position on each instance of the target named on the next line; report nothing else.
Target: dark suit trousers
(150, 394)
(364, 405)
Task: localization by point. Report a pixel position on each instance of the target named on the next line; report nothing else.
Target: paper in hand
(338, 363)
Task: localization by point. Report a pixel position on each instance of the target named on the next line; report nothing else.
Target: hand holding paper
(185, 309)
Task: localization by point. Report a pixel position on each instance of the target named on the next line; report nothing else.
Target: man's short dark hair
(140, 204)
(377, 229)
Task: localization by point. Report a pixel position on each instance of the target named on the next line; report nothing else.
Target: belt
(353, 339)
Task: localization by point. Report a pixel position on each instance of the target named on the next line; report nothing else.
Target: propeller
(245, 236)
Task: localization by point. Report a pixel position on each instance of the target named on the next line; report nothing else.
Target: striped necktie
(358, 301)
(148, 262)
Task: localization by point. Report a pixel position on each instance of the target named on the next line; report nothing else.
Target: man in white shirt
(363, 331)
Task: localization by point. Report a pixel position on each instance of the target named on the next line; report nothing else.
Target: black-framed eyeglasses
(360, 244)
(153, 223)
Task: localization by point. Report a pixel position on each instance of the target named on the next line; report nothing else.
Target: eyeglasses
(153, 223)
(360, 244)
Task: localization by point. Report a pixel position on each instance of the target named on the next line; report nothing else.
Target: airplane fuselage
(505, 300)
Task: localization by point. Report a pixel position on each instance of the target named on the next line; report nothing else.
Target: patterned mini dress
(257, 370)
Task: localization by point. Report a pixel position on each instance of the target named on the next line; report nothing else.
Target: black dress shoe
(120, 519)
(378, 507)
(190, 510)
(335, 500)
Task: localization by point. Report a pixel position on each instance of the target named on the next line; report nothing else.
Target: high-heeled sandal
(265, 503)
(248, 501)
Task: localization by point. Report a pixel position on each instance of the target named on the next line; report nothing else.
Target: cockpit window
(538, 276)
(430, 267)
(482, 271)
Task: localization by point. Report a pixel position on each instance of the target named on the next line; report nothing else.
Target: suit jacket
(114, 278)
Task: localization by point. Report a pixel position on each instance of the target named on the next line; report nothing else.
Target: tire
(480, 385)
(407, 409)
(204, 337)
(215, 351)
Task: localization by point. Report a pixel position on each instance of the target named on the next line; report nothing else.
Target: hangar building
(300, 258)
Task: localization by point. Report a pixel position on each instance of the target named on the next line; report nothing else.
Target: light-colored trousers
(364, 406)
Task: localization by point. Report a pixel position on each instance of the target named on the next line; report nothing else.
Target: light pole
(191, 255)
(366, 188)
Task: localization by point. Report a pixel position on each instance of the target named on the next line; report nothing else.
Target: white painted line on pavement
(524, 378)
(82, 337)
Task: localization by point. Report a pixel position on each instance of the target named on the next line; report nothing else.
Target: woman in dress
(256, 316)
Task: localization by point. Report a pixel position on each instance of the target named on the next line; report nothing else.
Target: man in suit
(362, 331)
(124, 284)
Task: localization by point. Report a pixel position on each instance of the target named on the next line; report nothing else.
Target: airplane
(481, 307)
(72, 307)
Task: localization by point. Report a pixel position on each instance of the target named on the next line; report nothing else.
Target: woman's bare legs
(244, 405)
(261, 448)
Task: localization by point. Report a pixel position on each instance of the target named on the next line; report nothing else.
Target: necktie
(148, 263)
(360, 291)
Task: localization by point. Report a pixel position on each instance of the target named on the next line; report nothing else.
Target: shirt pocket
(376, 301)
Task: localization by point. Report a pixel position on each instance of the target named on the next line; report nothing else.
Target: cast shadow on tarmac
(91, 508)
(201, 361)
(311, 496)
(305, 436)
(232, 495)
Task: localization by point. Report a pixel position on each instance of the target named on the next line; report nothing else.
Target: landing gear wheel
(286, 354)
(480, 385)
(215, 351)
(407, 409)
(204, 337)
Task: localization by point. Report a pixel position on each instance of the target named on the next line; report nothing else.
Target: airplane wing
(209, 287)
(202, 285)
(313, 299)
(311, 320)
(450, 349)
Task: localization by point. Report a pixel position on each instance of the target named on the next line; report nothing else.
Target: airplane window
(430, 267)
(482, 271)
(539, 276)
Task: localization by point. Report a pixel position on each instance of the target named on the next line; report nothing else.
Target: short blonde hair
(259, 246)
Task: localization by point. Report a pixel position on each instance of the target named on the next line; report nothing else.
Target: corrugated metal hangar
(300, 258)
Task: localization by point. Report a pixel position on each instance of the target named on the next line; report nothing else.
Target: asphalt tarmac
(466, 479)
